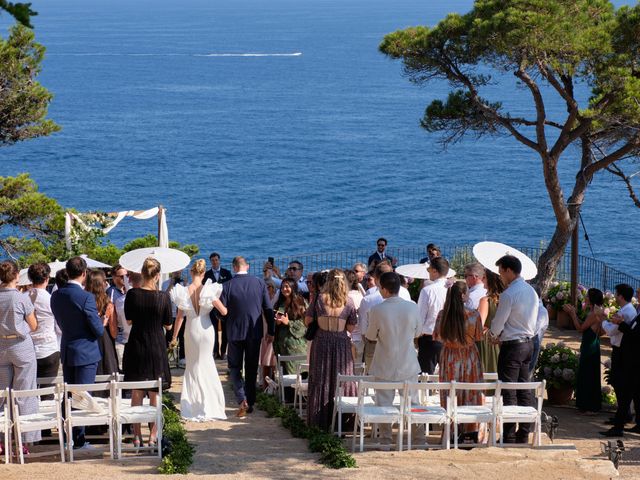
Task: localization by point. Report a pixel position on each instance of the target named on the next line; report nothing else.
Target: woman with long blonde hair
(202, 398)
(331, 348)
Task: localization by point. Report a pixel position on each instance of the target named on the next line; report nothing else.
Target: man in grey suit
(394, 324)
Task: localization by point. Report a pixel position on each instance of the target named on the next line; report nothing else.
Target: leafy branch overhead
(555, 51)
(20, 11)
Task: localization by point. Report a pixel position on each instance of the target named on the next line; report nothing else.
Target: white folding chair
(461, 414)
(43, 382)
(490, 377)
(429, 396)
(346, 404)
(519, 413)
(301, 387)
(124, 412)
(49, 416)
(5, 423)
(289, 379)
(82, 409)
(378, 414)
(359, 368)
(428, 413)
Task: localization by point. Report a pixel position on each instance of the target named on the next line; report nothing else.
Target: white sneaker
(182, 363)
(86, 446)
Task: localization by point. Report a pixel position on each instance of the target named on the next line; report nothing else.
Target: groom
(246, 298)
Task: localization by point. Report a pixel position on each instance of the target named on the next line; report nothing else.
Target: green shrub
(180, 457)
(331, 450)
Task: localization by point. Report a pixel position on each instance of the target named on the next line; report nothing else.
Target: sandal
(152, 442)
(137, 441)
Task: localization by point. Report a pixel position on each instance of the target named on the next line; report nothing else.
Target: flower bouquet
(558, 365)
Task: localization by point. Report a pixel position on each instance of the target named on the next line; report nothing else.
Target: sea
(270, 128)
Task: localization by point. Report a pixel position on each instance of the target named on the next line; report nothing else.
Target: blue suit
(246, 298)
(77, 316)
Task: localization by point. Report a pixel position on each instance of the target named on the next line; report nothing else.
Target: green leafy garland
(180, 457)
(330, 447)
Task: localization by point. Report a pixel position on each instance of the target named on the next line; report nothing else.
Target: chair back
(424, 390)
(364, 387)
(481, 386)
(490, 376)
(537, 387)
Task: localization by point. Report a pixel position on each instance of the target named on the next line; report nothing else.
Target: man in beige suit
(394, 324)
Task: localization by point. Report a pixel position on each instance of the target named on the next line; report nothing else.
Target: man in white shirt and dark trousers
(474, 276)
(393, 324)
(627, 312)
(514, 324)
(430, 303)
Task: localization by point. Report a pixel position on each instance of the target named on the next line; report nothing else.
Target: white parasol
(23, 278)
(91, 263)
(419, 270)
(488, 253)
(171, 260)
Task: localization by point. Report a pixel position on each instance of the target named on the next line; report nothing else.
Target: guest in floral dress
(331, 348)
(459, 328)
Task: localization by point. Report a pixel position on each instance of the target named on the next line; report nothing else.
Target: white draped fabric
(163, 239)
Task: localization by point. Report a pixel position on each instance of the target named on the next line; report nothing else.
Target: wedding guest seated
(459, 328)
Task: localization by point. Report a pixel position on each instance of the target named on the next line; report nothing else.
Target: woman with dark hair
(18, 364)
(46, 338)
(289, 310)
(331, 348)
(588, 390)
(147, 309)
(96, 283)
(487, 309)
(459, 328)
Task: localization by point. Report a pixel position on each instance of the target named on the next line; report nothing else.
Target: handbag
(312, 328)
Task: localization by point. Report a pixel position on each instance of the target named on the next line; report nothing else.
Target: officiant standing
(246, 298)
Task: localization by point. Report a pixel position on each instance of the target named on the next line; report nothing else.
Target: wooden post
(574, 266)
(160, 213)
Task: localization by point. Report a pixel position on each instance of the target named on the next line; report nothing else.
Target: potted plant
(558, 295)
(558, 365)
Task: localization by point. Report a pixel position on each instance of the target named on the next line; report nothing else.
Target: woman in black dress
(588, 392)
(145, 355)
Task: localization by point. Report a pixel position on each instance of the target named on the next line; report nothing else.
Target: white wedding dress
(202, 397)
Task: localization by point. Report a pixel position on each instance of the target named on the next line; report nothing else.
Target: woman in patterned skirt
(459, 328)
(331, 348)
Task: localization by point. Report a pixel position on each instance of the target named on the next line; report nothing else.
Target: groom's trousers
(247, 352)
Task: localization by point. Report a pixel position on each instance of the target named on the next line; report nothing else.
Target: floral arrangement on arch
(557, 365)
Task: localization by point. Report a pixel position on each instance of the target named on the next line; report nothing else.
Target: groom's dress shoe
(242, 411)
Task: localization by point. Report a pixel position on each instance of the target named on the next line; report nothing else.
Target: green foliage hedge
(181, 456)
(330, 447)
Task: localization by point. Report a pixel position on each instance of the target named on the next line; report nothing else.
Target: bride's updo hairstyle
(8, 271)
(199, 267)
(150, 268)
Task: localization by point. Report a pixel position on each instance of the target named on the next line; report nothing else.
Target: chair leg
(400, 434)
(355, 429)
(19, 441)
(361, 436)
(455, 435)
(447, 435)
(61, 440)
(69, 429)
(408, 433)
(501, 432)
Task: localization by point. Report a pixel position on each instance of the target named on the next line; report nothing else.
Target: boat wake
(107, 54)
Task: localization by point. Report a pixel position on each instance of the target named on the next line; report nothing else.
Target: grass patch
(179, 456)
(332, 451)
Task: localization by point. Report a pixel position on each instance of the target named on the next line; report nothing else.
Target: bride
(202, 397)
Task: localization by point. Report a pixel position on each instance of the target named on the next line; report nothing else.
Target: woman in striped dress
(18, 365)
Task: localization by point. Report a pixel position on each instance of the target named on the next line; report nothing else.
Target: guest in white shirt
(370, 300)
(430, 302)
(542, 323)
(627, 312)
(361, 272)
(393, 324)
(474, 276)
(46, 338)
(515, 325)
(294, 270)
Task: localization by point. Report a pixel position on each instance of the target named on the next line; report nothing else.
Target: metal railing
(592, 273)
